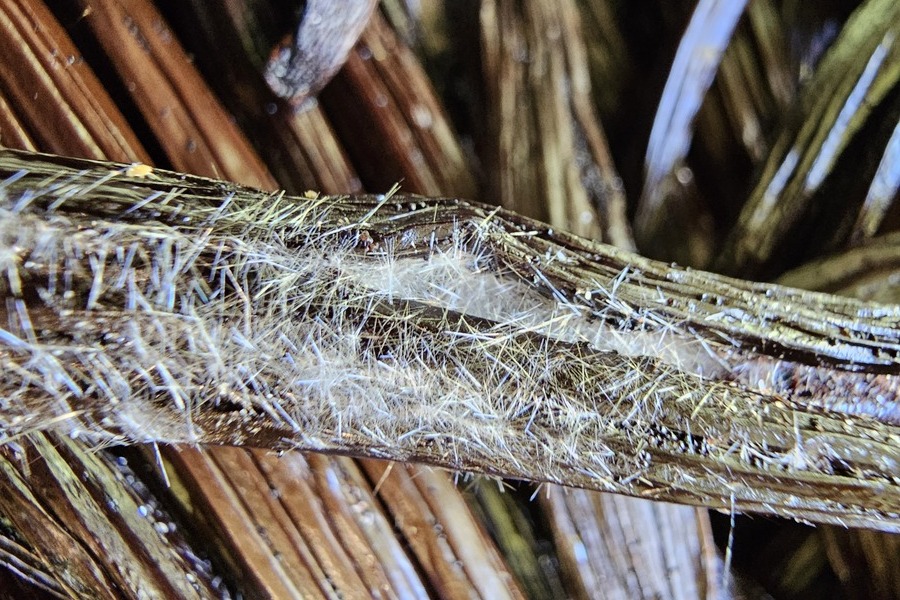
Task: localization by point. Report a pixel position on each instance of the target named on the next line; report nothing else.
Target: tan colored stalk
(174, 308)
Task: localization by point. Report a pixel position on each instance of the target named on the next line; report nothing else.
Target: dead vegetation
(146, 306)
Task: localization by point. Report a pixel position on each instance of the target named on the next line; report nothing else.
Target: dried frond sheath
(605, 524)
(383, 90)
(857, 78)
(182, 309)
(298, 147)
(169, 91)
(51, 97)
(546, 153)
(699, 54)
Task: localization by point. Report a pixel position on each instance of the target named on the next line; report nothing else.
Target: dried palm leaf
(549, 157)
(855, 88)
(334, 558)
(231, 43)
(47, 84)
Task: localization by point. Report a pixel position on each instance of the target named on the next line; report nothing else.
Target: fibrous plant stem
(158, 307)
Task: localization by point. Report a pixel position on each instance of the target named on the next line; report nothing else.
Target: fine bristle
(163, 320)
